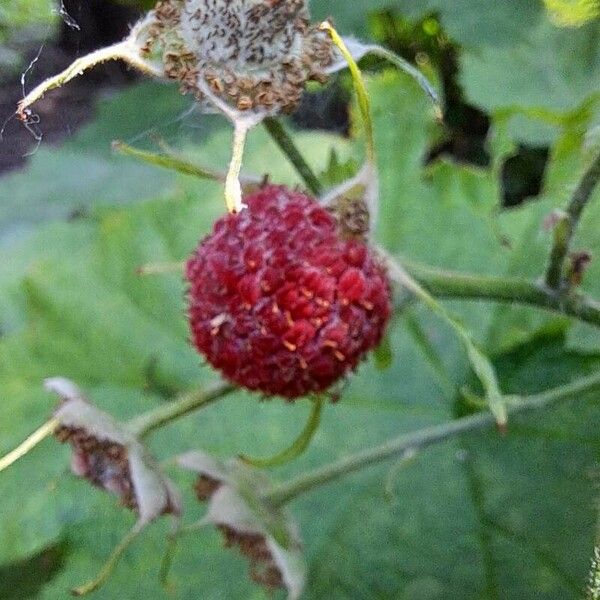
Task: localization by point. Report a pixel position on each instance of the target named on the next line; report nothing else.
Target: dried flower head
(264, 534)
(109, 456)
(253, 54)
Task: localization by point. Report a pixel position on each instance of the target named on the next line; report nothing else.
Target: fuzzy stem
(449, 284)
(125, 51)
(286, 144)
(565, 230)
(428, 436)
(146, 423)
(233, 187)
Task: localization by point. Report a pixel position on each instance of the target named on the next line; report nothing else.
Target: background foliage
(485, 516)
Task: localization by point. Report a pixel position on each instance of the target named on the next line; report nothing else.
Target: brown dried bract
(103, 463)
(263, 568)
(205, 487)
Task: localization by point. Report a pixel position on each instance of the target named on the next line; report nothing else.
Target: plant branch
(566, 228)
(287, 491)
(448, 284)
(146, 423)
(286, 144)
(125, 51)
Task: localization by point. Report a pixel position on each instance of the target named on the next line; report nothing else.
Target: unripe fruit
(279, 301)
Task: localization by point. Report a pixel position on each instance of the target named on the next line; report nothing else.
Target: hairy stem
(233, 187)
(286, 144)
(31, 442)
(125, 51)
(144, 424)
(448, 284)
(567, 228)
(287, 491)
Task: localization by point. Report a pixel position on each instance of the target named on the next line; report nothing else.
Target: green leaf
(526, 66)
(572, 13)
(464, 20)
(554, 71)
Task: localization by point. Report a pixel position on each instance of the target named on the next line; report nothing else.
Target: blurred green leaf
(25, 13)
(553, 70)
(470, 22)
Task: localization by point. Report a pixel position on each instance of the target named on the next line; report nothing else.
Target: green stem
(449, 284)
(109, 565)
(287, 491)
(562, 242)
(286, 144)
(298, 446)
(144, 424)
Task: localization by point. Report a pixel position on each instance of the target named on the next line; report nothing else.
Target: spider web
(69, 108)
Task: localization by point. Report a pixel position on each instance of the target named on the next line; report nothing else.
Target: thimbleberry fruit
(280, 301)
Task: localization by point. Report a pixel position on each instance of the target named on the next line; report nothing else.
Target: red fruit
(279, 301)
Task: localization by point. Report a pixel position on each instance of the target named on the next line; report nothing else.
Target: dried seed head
(110, 457)
(102, 462)
(253, 54)
(265, 534)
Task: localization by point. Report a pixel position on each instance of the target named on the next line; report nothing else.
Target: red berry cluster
(279, 301)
